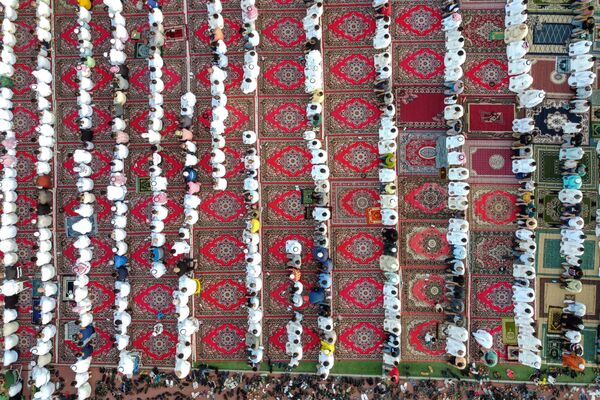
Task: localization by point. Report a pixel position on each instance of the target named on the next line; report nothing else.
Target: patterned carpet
(277, 112)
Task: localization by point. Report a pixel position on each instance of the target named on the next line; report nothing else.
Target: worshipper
(573, 362)
(575, 308)
(483, 338)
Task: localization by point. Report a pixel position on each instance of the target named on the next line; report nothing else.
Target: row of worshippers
(387, 146)
(117, 190)
(217, 76)
(515, 35)
(186, 324)
(191, 202)
(456, 336)
(158, 182)
(523, 166)
(11, 286)
(572, 245)
(458, 188)
(293, 346)
(83, 227)
(572, 337)
(40, 375)
(252, 255)
(321, 213)
(251, 38)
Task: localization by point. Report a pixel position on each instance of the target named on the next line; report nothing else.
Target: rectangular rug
(420, 107)
(490, 117)
(554, 316)
(509, 332)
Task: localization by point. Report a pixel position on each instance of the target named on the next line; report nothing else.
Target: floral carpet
(277, 113)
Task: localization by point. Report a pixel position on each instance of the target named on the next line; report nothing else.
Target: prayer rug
(595, 115)
(422, 289)
(275, 238)
(27, 339)
(222, 294)
(282, 118)
(550, 34)
(417, 20)
(225, 208)
(66, 203)
(493, 208)
(491, 296)
(235, 75)
(549, 6)
(140, 207)
(356, 248)
(352, 201)
(548, 168)
(490, 119)
(349, 27)
(357, 293)
(554, 320)
(200, 34)
(285, 162)
(420, 107)
(219, 251)
(141, 256)
(283, 74)
(414, 347)
(222, 341)
(417, 152)
(423, 244)
(352, 113)
(491, 253)
(484, 31)
(278, 299)
(494, 327)
(422, 65)
(68, 130)
(549, 206)
(157, 350)
(151, 298)
(104, 350)
(360, 340)
(100, 164)
(281, 30)
(241, 118)
(551, 294)
(552, 349)
(102, 296)
(549, 254)
(275, 333)
(551, 74)
(552, 116)
(486, 74)
(234, 155)
(283, 206)
(423, 198)
(353, 158)
(489, 161)
(348, 70)
(24, 121)
(510, 332)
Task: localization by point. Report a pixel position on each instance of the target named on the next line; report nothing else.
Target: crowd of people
(13, 284)
(523, 166)
(581, 80)
(210, 383)
(321, 212)
(454, 329)
(388, 186)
